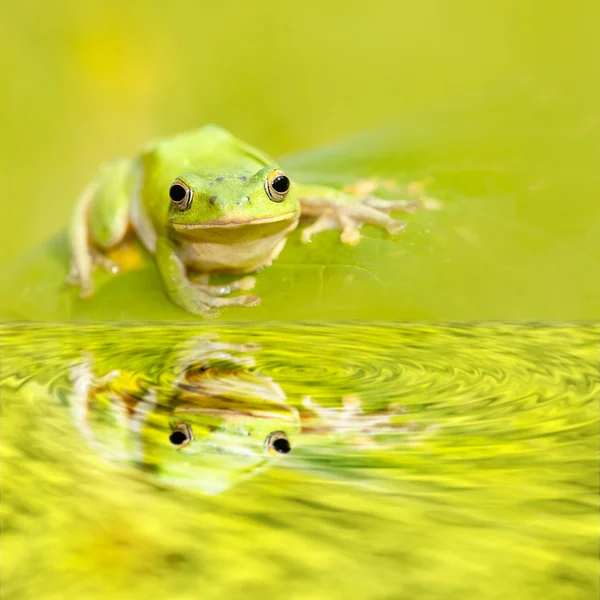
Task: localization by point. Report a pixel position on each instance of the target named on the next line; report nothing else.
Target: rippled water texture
(426, 461)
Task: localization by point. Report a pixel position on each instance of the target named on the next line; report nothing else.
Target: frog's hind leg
(100, 221)
(81, 253)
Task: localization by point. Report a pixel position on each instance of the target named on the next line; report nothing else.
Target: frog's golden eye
(277, 443)
(181, 195)
(277, 186)
(181, 435)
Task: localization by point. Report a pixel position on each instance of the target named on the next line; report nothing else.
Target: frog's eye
(277, 443)
(181, 435)
(181, 195)
(277, 186)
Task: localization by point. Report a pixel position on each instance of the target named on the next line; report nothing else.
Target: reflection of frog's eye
(181, 195)
(181, 435)
(277, 443)
(277, 186)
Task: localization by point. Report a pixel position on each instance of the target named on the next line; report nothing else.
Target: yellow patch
(129, 256)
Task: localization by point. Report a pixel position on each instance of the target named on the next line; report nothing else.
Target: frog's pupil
(177, 438)
(281, 446)
(177, 193)
(281, 184)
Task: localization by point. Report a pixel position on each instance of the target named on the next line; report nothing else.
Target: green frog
(209, 421)
(204, 203)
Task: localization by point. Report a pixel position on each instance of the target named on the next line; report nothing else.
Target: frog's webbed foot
(212, 296)
(86, 282)
(350, 215)
(350, 420)
(357, 204)
(201, 282)
(105, 263)
(415, 189)
(205, 300)
(352, 425)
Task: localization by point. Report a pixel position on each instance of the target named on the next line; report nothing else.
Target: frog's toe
(323, 223)
(202, 302)
(200, 283)
(72, 279)
(86, 289)
(245, 283)
(352, 401)
(350, 230)
(387, 206)
(102, 261)
(396, 227)
(209, 312)
(243, 300)
(86, 286)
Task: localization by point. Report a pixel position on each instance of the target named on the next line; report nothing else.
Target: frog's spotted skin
(202, 203)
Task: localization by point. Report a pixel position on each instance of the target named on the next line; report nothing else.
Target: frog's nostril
(212, 200)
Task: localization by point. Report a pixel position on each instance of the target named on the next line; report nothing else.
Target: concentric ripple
(456, 459)
(485, 385)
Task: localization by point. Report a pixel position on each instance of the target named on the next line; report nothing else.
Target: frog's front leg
(195, 298)
(100, 221)
(334, 209)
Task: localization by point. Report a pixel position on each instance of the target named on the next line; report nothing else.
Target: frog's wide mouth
(233, 223)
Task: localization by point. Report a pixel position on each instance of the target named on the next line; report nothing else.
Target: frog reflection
(207, 422)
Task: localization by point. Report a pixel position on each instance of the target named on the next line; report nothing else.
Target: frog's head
(209, 448)
(229, 421)
(221, 205)
(219, 423)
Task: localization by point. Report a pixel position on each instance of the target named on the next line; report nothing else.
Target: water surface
(480, 479)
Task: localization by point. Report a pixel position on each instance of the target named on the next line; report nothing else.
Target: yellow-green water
(486, 487)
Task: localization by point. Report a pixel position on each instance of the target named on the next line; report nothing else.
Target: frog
(352, 425)
(206, 203)
(209, 421)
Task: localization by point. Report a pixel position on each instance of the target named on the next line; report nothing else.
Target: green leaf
(516, 237)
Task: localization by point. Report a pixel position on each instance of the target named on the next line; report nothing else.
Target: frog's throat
(233, 223)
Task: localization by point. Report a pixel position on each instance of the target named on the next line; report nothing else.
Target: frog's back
(210, 148)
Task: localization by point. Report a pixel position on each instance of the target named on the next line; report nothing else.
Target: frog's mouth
(236, 229)
(229, 223)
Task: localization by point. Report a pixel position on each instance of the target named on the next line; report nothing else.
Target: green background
(494, 103)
